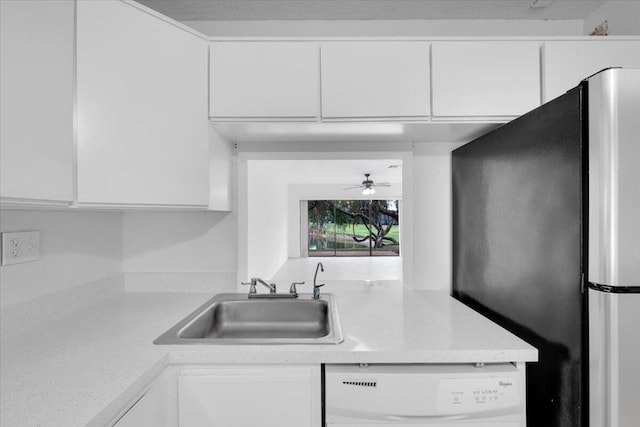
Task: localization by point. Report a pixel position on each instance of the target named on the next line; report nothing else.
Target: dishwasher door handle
(415, 419)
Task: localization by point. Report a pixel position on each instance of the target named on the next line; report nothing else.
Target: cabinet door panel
(565, 64)
(485, 79)
(375, 79)
(142, 109)
(264, 80)
(36, 93)
(146, 412)
(249, 396)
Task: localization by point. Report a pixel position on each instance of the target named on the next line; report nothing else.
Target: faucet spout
(271, 286)
(321, 267)
(316, 288)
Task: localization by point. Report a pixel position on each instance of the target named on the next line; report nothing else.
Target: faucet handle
(252, 286)
(292, 289)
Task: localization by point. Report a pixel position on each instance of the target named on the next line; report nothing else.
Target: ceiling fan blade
(382, 184)
(353, 188)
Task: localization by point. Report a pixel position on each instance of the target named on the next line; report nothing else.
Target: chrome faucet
(293, 292)
(316, 288)
(271, 286)
(255, 281)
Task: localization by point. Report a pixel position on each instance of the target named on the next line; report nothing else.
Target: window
(353, 228)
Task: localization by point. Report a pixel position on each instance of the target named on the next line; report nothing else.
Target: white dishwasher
(424, 395)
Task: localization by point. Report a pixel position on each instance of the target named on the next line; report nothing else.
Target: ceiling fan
(368, 185)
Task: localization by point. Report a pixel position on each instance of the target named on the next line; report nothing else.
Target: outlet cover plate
(20, 246)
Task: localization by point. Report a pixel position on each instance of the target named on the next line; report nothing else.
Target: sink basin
(236, 319)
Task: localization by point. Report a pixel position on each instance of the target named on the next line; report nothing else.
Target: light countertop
(81, 367)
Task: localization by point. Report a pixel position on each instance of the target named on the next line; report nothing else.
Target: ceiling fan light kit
(368, 184)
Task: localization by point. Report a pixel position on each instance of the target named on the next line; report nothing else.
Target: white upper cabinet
(566, 63)
(485, 79)
(36, 101)
(372, 80)
(264, 80)
(142, 109)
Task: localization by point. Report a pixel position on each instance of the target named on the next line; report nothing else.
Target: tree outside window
(353, 228)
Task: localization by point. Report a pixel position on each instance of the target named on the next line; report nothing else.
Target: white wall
(267, 219)
(365, 28)
(623, 18)
(432, 216)
(179, 242)
(76, 248)
(192, 246)
(156, 251)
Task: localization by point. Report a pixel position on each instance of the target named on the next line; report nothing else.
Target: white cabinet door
(36, 100)
(485, 79)
(375, 80)
(158, 407)
(264, 80)
(142, 109)
(250, 396)
(146, 412)
(566, 63)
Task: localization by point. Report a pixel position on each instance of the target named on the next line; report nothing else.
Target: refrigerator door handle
(614, 289)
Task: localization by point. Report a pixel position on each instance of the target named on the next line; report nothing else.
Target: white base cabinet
(156, 407)
(250, 396)
(145, 412)
(229, 396)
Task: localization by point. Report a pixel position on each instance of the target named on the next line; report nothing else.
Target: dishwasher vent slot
(361, 383)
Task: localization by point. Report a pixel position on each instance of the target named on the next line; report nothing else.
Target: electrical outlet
(20, 246)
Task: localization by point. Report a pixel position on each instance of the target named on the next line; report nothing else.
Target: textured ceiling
(257, 10)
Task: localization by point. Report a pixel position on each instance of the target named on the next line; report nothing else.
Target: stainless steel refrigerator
(546, 242)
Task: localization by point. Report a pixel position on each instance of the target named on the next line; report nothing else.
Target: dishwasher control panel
(440, 394)
(471, 395)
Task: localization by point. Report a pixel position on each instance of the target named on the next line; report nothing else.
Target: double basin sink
(238, 319)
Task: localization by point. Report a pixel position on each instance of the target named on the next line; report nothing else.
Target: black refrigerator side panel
(517, 247)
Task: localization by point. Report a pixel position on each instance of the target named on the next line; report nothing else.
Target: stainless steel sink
(236, 319)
